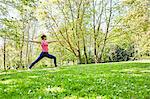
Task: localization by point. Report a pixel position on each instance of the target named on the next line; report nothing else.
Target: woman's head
(43, 37)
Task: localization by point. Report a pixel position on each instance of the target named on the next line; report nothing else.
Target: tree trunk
(5, 53)
(95, 36)
(79, 57)
(27, 49)
(107, 31)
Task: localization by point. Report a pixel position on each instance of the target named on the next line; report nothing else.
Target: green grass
(100, 81)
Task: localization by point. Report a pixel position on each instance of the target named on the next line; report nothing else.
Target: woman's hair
(42, 37)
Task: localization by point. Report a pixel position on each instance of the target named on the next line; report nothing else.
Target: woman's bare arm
(40, 42)
(53, 41)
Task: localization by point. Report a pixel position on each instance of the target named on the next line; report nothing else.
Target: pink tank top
(44, 45)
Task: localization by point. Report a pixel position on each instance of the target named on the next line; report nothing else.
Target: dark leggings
(42, 55)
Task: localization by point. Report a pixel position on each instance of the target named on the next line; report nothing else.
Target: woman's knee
(54, 57)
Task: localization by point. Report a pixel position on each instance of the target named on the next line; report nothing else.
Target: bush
(120, 54)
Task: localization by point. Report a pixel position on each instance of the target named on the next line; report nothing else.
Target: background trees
(92, 31)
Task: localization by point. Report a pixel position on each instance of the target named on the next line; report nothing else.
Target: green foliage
(106, 81)
(27, 2)
(137, 21)
(12, 28)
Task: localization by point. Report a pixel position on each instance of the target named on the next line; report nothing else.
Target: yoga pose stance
(44, 53)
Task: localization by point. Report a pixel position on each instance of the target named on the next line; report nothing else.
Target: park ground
(125, 80)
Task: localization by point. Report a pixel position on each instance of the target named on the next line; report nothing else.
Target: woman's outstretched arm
(53, 41)
(40, 42)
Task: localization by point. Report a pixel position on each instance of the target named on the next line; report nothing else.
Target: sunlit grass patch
(107, 97)
(4, 73)
(54, 89)
(145, 71)
(7, 81)
(134, 71)
(91, 97)
(33, 76)
(136, 75)
(75, 97)
(71, 97)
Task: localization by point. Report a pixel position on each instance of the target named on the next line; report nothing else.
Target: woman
(44, 53)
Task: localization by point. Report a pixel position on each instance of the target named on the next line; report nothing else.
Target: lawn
(100, 81)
